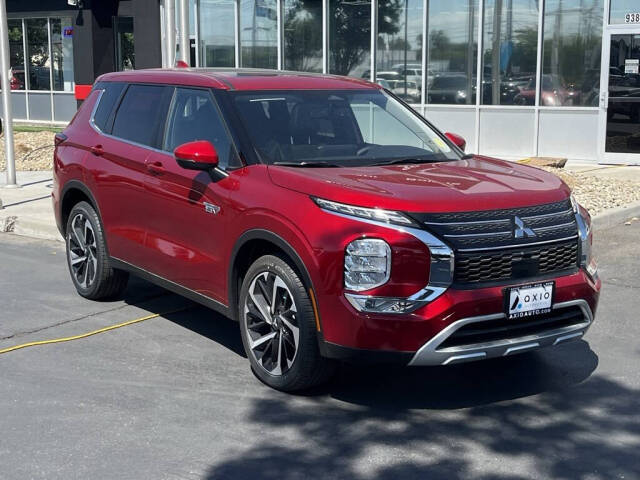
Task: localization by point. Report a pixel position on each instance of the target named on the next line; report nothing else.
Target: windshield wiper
(318, 164)
(398, 161)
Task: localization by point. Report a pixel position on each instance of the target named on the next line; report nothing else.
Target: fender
(261, 234)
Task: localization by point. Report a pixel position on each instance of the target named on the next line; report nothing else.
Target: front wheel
(278, 327)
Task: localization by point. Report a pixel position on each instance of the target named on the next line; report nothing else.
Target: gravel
(597, 194)
(34, 152)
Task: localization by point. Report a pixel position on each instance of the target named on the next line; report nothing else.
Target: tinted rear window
(140, 113)
(108, 100)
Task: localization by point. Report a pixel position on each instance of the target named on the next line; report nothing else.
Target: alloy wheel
(82, 251)
(271, 320)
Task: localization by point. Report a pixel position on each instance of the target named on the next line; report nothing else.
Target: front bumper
(435, 351)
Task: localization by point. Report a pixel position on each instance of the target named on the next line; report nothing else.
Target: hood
(479, 183)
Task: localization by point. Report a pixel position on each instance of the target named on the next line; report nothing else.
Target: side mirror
(457, 140)
(198, 155)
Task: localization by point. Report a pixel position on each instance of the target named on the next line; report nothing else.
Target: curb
(27, 228)
(615, 216)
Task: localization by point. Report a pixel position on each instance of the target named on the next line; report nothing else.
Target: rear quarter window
(110, 95)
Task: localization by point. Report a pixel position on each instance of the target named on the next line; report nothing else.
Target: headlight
(385, 216)
(367, 264)
(587, 261)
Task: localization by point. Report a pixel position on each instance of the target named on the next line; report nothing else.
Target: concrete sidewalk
(27, 210)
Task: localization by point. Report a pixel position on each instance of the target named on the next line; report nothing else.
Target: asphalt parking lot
(173, 397)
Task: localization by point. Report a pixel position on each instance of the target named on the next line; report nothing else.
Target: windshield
(340, 128)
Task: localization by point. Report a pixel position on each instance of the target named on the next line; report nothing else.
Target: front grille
(503, 329)
(514, 264)
(493, 246)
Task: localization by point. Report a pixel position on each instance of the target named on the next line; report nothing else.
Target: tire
(269, 339)
(87, 256)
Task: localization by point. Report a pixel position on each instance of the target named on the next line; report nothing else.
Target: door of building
(620, 97)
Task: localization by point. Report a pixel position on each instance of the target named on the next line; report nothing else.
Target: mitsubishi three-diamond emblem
(520, 230)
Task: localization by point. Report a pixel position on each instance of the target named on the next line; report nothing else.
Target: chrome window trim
(442, 262)
(429, 354)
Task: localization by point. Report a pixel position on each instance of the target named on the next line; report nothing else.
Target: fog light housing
(367, 264)
(364, 303)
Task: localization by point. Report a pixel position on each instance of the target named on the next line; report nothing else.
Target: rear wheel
(87, 256)
(278, 327)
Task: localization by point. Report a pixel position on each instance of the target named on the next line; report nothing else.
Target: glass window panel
(217, 33)
(38, 53)
(195, 117)
(399, 60)
(140, 114)
(510, 52)
(16, 55)
(453, 51)
(124, 43)
(303, 35)
(350, 37)
(62, 53)
(625, 11)
(258, 34)
(571, 52)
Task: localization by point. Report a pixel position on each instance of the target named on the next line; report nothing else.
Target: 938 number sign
(632, 18)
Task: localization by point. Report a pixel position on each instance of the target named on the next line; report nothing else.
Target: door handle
(155, 167)
(97, 150)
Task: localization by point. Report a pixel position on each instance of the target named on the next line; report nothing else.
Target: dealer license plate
(529, 300)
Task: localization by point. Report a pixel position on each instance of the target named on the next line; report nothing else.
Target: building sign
(632, 17)
(631, 66)
(67, 32)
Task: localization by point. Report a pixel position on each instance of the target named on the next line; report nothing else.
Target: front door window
(623, 113)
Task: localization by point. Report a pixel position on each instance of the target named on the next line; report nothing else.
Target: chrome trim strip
(553, 227)
(519, 348)
(486, 234)
(564, 338)
(506, 247)
(464, 358)
(476, 222)
(545, 215)
(429, 354)
(442, 259)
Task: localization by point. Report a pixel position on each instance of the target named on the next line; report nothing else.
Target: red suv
(323, 214)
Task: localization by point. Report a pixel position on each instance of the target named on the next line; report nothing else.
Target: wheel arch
(74, 192)
(251, 245)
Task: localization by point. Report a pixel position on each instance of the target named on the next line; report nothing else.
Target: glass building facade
(41, 73)
(505, 74)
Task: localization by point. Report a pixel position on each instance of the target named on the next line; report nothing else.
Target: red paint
(199, 152)
(82, 91)
(154, 217)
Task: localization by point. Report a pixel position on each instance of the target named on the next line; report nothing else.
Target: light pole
(185, 44)
(6, 97)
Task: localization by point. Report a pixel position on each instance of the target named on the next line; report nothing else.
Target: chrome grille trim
(531, 244)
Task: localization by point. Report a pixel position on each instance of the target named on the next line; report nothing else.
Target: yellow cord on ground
(88, 334)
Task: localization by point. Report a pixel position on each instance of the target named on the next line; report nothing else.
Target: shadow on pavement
(564, 424)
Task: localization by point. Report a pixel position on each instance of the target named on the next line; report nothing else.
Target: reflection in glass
(624, 11)
(16, 55)
(350, 37)
(453, 51)
(303, 35)
(399, 60)
(124, 43)
(571, 52)
(38, 53)
(623, 112)
(510, 52)
(217, 33)
(258, 34)
(62, 53)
